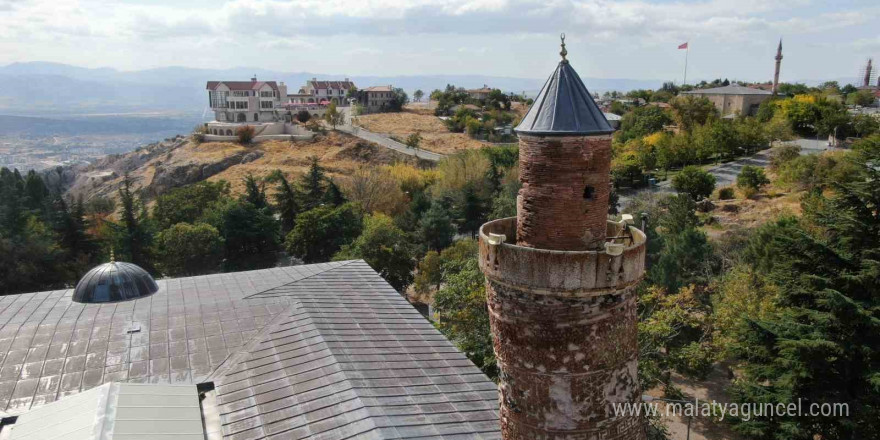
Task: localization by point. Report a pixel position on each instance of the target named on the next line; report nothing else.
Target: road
(725, 174)
(384, 140)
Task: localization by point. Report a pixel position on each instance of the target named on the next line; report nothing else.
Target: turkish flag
(683, 46)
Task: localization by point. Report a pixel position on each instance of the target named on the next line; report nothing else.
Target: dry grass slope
(435, 136)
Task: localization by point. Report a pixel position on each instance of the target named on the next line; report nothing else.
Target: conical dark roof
(114, 281)
(564, 108)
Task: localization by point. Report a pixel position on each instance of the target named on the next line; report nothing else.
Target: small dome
(114, 281)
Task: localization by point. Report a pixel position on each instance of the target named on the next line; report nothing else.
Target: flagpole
(687, 49)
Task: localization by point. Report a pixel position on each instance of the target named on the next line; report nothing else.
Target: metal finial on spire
(112, 256)
(563, 52)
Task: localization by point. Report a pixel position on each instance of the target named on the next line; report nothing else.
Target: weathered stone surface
(562, 309)
(563, 202)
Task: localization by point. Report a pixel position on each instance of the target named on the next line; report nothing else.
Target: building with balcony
(246, 101)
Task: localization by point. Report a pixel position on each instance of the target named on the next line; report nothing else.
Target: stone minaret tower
(778, 64)
(561, 278)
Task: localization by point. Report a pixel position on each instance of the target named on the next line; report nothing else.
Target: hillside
(419, 117)
(165, 165)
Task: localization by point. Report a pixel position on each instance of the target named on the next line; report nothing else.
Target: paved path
(384, 140)
(725, 174)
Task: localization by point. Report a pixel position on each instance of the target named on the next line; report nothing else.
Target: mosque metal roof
(733, 89)
(564, 107)
(325, 351)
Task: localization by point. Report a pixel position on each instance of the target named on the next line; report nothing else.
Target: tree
(333, 116)
(333, 195)
(751, 178)
(286, 201)
(641, 122)
(255, 192)
(187, 250)
(429, 275)
(695, 182)
(71, 229)
(690, 111)
(436, 230)
(460, 307)
(418, 94)
(683, 260)
(376, 190)
(312, 185)
(865, 125)
(471, 210)
(398, 100)
(250, 234)
(245, 134)
(134, 235)
(321, 232)
(864, 98)
(385, 248)
(303, 116)
(413, 140)
(188, 203)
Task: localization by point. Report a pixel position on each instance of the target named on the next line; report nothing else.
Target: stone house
(245, 101)
(733, 99)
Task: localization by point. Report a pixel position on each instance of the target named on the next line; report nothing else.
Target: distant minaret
(778, 63)
(867, 82)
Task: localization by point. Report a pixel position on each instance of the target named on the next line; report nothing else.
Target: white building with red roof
(246, 101)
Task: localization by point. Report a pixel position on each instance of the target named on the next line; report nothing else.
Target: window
(218, 99)
(269, 94)
(267, 105)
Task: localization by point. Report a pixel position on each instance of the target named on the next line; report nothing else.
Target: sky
(634, 39)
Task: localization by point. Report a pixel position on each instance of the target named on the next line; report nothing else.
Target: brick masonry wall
(564, 363)
(563, 203)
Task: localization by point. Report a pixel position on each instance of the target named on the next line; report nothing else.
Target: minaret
(778, 64)
(867, 81)
(560, 279)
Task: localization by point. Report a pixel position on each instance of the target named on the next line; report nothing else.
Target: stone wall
(563, 202)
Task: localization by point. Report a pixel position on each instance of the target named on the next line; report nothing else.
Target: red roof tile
(242, 85)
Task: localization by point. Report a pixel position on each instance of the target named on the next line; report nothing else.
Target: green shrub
(726, 193)
(783, 154)
(695, 182)
(752, 178)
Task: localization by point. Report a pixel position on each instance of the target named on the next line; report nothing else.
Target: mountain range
(46, 89)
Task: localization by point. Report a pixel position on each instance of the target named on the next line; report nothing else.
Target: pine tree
(436, 230)
(823, 344)
(333, 196)
(135, 237)
(286, 201)
(255, 192)
(312, 185)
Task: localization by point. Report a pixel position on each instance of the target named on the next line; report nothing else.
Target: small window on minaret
(589, 192)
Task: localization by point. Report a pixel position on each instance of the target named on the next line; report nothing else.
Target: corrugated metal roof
(733, 89)
(121, 411)
(296, 351)
(564, 107)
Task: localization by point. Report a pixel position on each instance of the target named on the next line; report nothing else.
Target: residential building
(733, 99)
(326, 351)
(330, 91)
(377, 98)
(245, 101)
(481, 93)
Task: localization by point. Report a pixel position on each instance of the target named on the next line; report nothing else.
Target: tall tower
(778, 64)
(561, 277)
(867, 81)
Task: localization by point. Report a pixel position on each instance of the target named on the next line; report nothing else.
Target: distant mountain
(44, 88)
